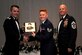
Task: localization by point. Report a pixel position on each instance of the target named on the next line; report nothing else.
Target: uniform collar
(14, 18)
(64, 16)
(43, 21)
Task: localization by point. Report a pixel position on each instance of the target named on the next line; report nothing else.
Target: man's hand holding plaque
(33, 34)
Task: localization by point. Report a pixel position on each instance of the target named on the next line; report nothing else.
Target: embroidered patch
(73, 25)
(49, 30)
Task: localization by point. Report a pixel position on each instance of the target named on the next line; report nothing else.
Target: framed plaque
(30, 27)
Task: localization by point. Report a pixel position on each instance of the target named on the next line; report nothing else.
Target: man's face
(15, 12)
(62, 10)
(43, 15)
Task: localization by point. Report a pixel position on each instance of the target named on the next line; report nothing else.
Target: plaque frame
(30, 27)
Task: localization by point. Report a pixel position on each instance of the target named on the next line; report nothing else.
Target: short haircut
(44, 10)
(14, 6)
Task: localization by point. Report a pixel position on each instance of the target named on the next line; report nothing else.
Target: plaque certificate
(30, 27)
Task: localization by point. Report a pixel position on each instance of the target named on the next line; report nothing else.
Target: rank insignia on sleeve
(49, 30)
(73, 25)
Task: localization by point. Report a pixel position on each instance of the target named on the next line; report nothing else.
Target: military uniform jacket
(11, 36)
(45, 36)
(68, 32)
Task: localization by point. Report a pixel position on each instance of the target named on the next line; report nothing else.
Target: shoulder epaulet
(8, 18)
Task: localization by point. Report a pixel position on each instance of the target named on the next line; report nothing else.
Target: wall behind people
(29, 12)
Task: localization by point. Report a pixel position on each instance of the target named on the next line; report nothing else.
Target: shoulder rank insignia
(49, 30)
(73, 25)
(8, 18)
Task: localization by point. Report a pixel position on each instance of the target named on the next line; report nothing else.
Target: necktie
(16, 20)
(41, 27)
